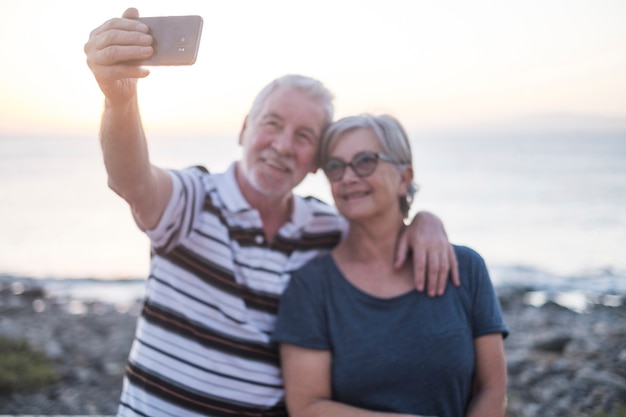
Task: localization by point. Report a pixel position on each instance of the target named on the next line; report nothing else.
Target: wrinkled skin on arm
(490, 380)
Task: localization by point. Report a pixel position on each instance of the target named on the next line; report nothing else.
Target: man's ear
(243, 128)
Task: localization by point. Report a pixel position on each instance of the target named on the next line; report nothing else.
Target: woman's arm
(490, 380)
(307, 376)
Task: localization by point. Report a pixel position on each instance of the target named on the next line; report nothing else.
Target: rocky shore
(561, 362)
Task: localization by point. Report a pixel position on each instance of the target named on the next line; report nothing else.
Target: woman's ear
(406, 176)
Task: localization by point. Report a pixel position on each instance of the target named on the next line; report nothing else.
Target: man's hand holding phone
(128, 40)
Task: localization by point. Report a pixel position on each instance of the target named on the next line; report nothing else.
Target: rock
(554, 343)
(53, 349)
(604, 378)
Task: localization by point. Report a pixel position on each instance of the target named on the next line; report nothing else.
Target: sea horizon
(549, 205)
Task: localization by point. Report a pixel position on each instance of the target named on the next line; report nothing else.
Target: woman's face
(364, 197)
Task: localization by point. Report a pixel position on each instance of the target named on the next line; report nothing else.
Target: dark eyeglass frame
(360, 171)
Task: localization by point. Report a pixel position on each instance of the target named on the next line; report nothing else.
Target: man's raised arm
(145, 187)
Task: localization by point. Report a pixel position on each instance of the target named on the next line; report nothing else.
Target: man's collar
(230, 193)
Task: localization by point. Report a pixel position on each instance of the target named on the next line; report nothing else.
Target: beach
(561, 362)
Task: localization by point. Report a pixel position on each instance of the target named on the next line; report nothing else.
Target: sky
(433, 64)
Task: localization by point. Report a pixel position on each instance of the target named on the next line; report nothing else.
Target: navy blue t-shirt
(407, 354)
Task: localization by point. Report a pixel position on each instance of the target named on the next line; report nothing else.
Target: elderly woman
(356, 338)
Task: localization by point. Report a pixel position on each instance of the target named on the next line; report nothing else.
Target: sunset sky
(434, 64)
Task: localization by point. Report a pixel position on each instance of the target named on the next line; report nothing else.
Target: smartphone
(176, 39)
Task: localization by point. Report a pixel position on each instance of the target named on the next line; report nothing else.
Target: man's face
(280, 143)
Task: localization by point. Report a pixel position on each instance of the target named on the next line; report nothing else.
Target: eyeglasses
(363, 164)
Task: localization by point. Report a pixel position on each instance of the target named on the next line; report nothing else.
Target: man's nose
(283, 142)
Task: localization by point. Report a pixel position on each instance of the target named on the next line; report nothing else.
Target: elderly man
(224, 244)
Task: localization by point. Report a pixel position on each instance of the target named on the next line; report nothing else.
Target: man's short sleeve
(184, 205)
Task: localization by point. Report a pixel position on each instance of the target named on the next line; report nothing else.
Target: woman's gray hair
(392, 137)
(309, 86)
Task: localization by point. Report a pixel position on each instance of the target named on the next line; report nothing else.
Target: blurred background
(517, 113)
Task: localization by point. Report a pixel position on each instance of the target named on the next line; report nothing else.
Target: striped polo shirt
(202, 345)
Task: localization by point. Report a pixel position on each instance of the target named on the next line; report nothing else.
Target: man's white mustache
(278, 162)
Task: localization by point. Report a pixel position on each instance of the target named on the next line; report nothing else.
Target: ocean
(547, 210)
